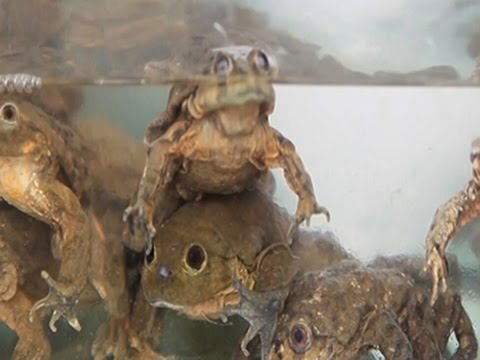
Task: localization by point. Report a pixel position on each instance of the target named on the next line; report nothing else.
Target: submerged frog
(214, 137)
(36, 154)
(116, 167)
(205, 245)
(24, 251)
(449, 219)
(348, 309)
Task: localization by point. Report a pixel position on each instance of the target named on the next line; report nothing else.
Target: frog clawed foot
(138, 222)
(307, 208)
(19, 83)
(62, 305)
(437, 263)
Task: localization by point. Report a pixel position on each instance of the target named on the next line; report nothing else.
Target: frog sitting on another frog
(205, 245)
(214, 137)
(43, 174)
(449, 219)
(348, 309)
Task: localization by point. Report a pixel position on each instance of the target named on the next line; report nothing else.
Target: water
(382, 160)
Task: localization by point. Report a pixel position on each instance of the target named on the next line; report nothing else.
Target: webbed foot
(139, 222)
(111, 339)
(437, 263)
(62, 304)
(260, 310)
(19, 83)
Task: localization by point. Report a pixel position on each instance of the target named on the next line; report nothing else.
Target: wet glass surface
(382, 159)
(121, 41)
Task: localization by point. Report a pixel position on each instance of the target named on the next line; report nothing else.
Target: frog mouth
(234, 92)
(210, 309)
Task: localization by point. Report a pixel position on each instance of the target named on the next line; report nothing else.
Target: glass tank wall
(384, 151)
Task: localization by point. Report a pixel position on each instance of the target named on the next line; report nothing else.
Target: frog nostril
(164, 272)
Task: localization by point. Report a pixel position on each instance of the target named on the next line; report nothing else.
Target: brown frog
(348, 309)
(42, 173)
(449, 219)
(214, 137)
(116, 166)
(205, 245)
(24, 252)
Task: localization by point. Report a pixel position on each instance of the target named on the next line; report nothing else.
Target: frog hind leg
(108, 276)
(448, 219)
(261, 311)
(382, 331)
(58, 206)
(32, 341)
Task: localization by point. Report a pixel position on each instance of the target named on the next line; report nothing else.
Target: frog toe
(322, 210)
(62, 305)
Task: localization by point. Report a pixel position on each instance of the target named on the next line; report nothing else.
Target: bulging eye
(196, 258)
(9, 113)
(223, 65)
(261, 61)
(300, 338)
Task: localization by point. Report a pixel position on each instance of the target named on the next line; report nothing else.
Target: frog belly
(205, 177)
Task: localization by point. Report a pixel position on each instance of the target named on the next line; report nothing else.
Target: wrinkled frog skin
(349, 308)
(449, 219)
(35, 151)
(214, 137)
(205, 245)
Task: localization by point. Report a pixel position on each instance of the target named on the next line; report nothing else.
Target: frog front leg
(160, 168)
(281, 153)
(448, 220)
(58, 206)
(381, 330)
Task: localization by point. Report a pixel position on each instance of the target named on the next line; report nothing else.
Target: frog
(117, 158)
(448, 220)
(43, 174)
(199, 145)
(24, 251)
(350, 308)
(207, 245)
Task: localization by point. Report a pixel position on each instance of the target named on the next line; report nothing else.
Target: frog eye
(195, 259)
(261, 61)
(223, 66)
(300, 338)
(9, 113)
